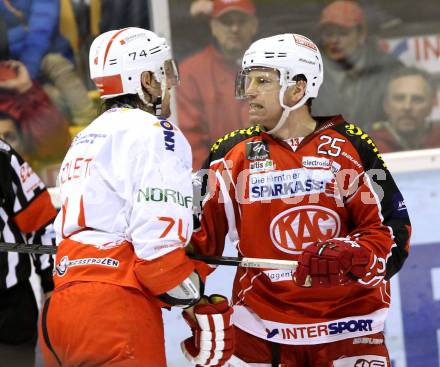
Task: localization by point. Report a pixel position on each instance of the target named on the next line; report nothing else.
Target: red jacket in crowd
(207, 107)
(44, 130)
(388, 139)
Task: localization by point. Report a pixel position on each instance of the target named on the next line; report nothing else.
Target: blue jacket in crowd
(33, 31)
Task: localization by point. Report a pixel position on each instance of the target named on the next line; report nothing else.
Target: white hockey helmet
(117, 59)
(291, 54)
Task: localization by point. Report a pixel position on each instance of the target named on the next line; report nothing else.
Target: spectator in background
(10, 132)
(34, 39)
(116, 14)
(207, 107)
(4, 49)
(32, 31)
(201, 7)
(26, 215)
(45, 132)
(408, 102)
(356, 70)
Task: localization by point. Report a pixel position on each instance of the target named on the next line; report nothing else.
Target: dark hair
(5, 115)
(413, 71)
(132, 100)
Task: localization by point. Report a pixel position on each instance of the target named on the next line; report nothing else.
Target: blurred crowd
(46, 96)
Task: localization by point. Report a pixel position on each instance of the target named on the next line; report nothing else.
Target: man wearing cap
(207, 107)
(356, 70)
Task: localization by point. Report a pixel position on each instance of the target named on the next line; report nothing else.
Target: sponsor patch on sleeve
(257, 150)
(261, 166)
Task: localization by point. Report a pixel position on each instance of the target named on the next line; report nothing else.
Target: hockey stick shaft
(27, 248)
(247, 262)
(244, 262)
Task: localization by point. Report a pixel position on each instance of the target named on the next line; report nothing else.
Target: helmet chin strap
(286, 109)
(163, 85)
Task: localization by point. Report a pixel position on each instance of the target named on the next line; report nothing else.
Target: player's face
(172, 79)
(9, 133)
(166, 103)
(261, 88)
(339, 43)
(408, 103)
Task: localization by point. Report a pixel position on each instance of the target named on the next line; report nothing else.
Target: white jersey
(125, 181)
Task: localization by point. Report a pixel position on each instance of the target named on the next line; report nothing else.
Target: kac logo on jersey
(168, 134)
(294, 229)
(257, 150)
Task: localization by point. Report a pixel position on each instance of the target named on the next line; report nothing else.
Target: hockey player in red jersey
(312, 189)
(126, 215)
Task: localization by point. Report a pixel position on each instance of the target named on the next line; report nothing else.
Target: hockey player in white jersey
(126, 217)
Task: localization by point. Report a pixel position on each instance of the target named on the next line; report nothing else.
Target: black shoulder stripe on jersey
(223, 145)
(393, 209)
(363, 143)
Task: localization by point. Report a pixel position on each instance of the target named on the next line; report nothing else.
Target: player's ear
(146, 78)
(150, 85)
(294, 93)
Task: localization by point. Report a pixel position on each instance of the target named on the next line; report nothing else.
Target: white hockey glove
(212, 342)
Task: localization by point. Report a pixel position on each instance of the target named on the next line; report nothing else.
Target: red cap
(344, 13)
(222, 6)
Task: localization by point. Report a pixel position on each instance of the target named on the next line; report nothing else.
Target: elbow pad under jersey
(186, 293)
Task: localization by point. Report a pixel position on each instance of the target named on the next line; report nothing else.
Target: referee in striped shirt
(26, 216)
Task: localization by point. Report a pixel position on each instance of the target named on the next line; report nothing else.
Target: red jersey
(273, 202)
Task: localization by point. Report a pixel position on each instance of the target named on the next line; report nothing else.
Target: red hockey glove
(376, 271)
(331, 263)
(212, 343)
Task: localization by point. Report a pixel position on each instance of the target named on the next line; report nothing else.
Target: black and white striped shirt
(26, 216)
